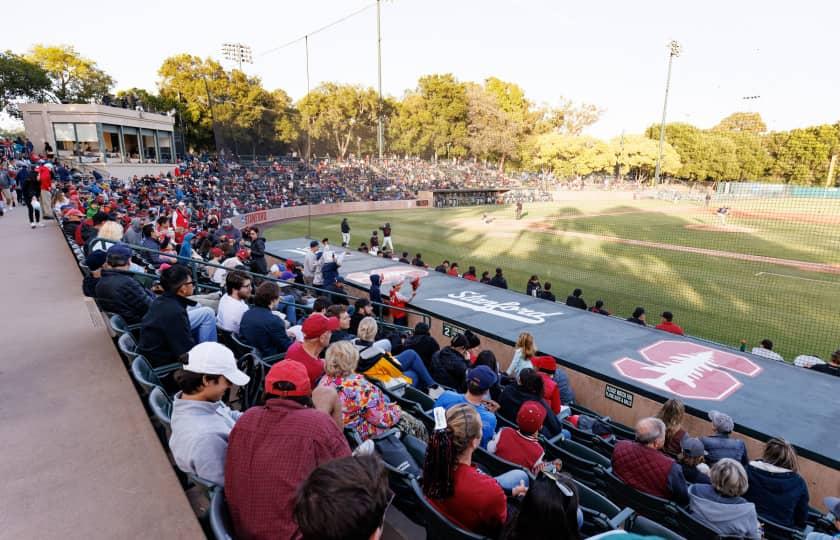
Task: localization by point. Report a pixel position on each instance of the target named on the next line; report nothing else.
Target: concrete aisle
(78, 456)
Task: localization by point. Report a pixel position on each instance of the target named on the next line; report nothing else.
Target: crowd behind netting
(308, 411)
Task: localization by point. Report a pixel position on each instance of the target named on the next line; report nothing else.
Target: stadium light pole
(675, 51)
(380, 129)
(237, 52)
(308, 136)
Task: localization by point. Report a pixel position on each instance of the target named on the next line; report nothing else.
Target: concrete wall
(296, 212)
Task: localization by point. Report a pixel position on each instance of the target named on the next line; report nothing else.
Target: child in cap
(522, 446)
(546, 366)
(691, 459)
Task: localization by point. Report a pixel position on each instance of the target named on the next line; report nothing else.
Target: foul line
(797, 277)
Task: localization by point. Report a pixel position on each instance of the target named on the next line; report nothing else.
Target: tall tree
(636, 155)
(493, 132)
(75, 79)
(337, 114)
(742, 122)
(20, 80)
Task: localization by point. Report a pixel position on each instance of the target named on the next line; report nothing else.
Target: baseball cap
(313, 244)
(316, 324)
(483, 376)
(544, 363)
(722, 422)
(211, 358)
(242, 254)
(274, 269)
(530, 417)
(833, 505)
(118, 252)
(693, 447)
(73, 212)
(291, 372)
(216, 252)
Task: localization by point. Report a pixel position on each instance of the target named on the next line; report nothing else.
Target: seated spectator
(567, 393)
(216, 255)
(362, 309)
(599, 308)
(449, 365)
(498, 280)
(638, 316)
(533, 287)
(260, 327)
(529, 387)
(832, 367)
(233, 304)
(668, 325)
(779, 493)
(545, 366)
(453, 270)
(673, 414)
(418, 261)
(690, 458)
(485, 278)
(339, 311)
(575, 300)
(546, 293)
(766, 350)
(404, 258)
(72, 220)
(487, 358)
(201, 423)
(443, 267)
(317, 330)
(365, 408)
(479, 381)
(720, 505)
(470, 274)
(833, 506)
(453, 485)
(344, 498)
(525, 349)
(378, 363)
(641, 465)
(174, 324)
(272, 449)
(521, 446)
(422, 343)
(550, 510)
(720, 445)
(118, 292)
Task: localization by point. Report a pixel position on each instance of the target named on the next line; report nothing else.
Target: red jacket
(478, 503)
(551, 392)
(45, 176)
(271, 451)
(518, 448)
(396, 303)
(670, 327)
(643, 468)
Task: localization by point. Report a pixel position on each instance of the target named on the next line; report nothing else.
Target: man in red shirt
(271, 451)
(45, 177)
(317, 331)
(669, 326)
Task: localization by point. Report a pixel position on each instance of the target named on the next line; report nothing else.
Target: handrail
(194, 263)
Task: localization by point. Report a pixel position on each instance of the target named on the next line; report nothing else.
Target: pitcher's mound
(719, 228)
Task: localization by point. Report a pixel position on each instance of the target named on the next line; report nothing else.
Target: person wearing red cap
(522, 446)
(273, 448)
(317, 331)
(546, 366)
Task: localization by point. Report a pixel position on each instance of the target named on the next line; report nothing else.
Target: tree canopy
(20, 80)
(74, 79)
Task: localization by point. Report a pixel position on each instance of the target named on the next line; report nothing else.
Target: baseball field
(771, 270)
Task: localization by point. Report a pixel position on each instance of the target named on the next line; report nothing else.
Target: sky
(612, 54)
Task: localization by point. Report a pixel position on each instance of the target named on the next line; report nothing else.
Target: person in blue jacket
(778, 492)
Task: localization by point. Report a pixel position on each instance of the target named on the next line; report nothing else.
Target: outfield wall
(274, 215)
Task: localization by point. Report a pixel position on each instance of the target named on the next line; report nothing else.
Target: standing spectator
(233, 303)
(345, 232)
(257, 246)
(499, 280)
(455, 487)
(546, 293)
(766, 350)
(31, 194)
(776, 488)
(174, 324)
(180, 221)
(375, 293)
(449, 365)
(45, 181)
(832, 367)
(672, 414)
(719, 502)
(272, 449)
(400, 296)
(691, 459)
(201, 422)
(423, 343)
(642, 466)
(310, 263)
(533, 287)
(575, 300)
(317, 330)
(260, 327)
(344, 499)
(374, 242)
(638, 316)
(387, 243)
(668, 325)
(599, 308)
(720, 445)
(479, 381)
(525, 349)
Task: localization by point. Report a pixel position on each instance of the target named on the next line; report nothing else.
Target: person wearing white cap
(201, 423)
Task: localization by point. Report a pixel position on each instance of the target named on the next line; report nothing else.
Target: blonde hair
(729, 478)
(525, 342)
(780, 453)
(111, 230)
(367, 329)
(341, 359)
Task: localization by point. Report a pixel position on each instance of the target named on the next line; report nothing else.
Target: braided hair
(463, 426)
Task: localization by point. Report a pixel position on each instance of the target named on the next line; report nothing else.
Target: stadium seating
(647, 527)
(144, 374)
(119, 327)
(438, 527)
(128, 347)
(161, 406)
(774, 531)
(493, 465)
(692, 528)
(424, 401)
(220, 523)
(655, 508)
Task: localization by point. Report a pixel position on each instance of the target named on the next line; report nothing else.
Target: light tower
(675, 51)
(237, 52)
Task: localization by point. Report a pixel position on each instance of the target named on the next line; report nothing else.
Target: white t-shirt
(230, 313)
(767, 353)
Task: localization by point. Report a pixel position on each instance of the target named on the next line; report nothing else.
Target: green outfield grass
(716, 298)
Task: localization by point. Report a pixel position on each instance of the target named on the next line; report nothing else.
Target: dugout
(627, 371)
(453, 198)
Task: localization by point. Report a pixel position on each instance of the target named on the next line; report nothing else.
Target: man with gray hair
(720, 445)
(643, 466)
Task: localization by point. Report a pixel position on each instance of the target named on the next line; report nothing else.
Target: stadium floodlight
(237, 52)
(675, 50)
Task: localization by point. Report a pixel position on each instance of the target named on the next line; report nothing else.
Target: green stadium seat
(493, 465)
(161, 406)
(693, 528)
(582, 469)
(774, 531)
(128, 347)
(655, 508)
(438, 526)
(220, 523)
(422, 399)
(144, 374)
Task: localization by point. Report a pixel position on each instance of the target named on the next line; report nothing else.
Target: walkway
(79, 456)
